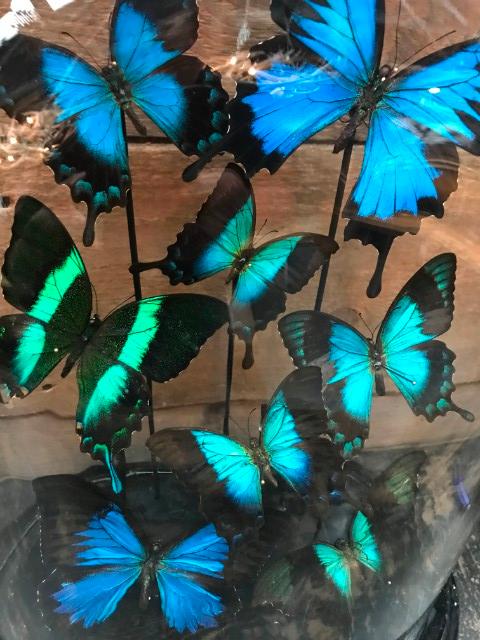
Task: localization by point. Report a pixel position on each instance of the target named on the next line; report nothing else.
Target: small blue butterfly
(288, 447)
(360, 548)
(405, 348)
(179, 93)
(221, 239)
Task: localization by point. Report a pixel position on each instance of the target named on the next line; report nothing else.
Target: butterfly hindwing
(185, 581)
(44, 276)
(343, 355)
(421, 366)
(223, 229)
(157, 338)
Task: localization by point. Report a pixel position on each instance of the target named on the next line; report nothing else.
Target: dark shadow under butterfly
(44, 277)
(101, 566)
(87, 148)
(327, 66)
(405, 348)
(290, 449)
(221, 238)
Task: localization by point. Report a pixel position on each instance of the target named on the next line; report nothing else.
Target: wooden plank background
(298, 197)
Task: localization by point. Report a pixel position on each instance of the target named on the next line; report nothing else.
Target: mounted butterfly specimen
(405, 348)
(44, 277)
(290, 448)
(221, 238)
(327, 67)
(88, 149)
(360, 548)
(100, 563)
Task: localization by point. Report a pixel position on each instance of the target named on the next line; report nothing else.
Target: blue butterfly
(328, 67)
(180, 94)
(288, 447)
(99, 562)
(420, 366)
(221, 238)
(361, 548)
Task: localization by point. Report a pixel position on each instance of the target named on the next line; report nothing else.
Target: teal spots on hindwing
(143, 331)
(55, 287)
(29, 350)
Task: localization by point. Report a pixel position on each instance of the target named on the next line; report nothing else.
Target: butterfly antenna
(95, 297)
(445, 35)
(265, 235)
(399, 375)
(365, 323)
(83, 48)
(397, 28)
(120, 304)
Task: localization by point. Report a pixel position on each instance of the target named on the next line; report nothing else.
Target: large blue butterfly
(180, 94)
(420, 366)
(288, 447)
(96, 553)
(221, 238)
(328, 66)
(361, 548)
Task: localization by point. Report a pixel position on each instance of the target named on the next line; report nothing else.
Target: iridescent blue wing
(344, 357)
(419, 365)
(364, 544)
(223, 229)
(181, 94)
(280, 266)
(87, 149)
(44, 276)
(89, 547)
(296, 94)
(336, 567)
(291, 428)
(211, 463)
(155, 338)
(187, 602)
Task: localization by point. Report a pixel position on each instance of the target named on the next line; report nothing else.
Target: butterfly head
(79, 346)
(241, 262)
(118, 84)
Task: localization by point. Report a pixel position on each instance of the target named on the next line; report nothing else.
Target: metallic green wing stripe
(56, 285)
(29, 351)
(107, 392)
(142, 333)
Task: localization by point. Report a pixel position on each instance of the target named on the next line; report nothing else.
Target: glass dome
(417, 482)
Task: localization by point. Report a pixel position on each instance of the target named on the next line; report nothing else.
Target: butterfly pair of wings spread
(290, 448)
(88, 150)
(221, 239)
(406, 349)
(327, 66)
(96, 554)
(44, 277)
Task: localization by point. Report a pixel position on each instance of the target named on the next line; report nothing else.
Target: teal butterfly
(221, 239)
(288, 447)
(360, 548)
(405, 348)
(45, 278)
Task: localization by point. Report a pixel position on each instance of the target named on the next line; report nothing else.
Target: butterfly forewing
(364, 543)
(44, 276)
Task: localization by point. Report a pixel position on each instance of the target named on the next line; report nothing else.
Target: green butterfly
(361, 548)
(45, 278)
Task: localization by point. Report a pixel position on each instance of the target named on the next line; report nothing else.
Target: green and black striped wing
(155, 338)
(43, 276)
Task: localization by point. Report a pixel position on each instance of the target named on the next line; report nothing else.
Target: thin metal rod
(137, 287)
(332, 232)
(228, 381)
